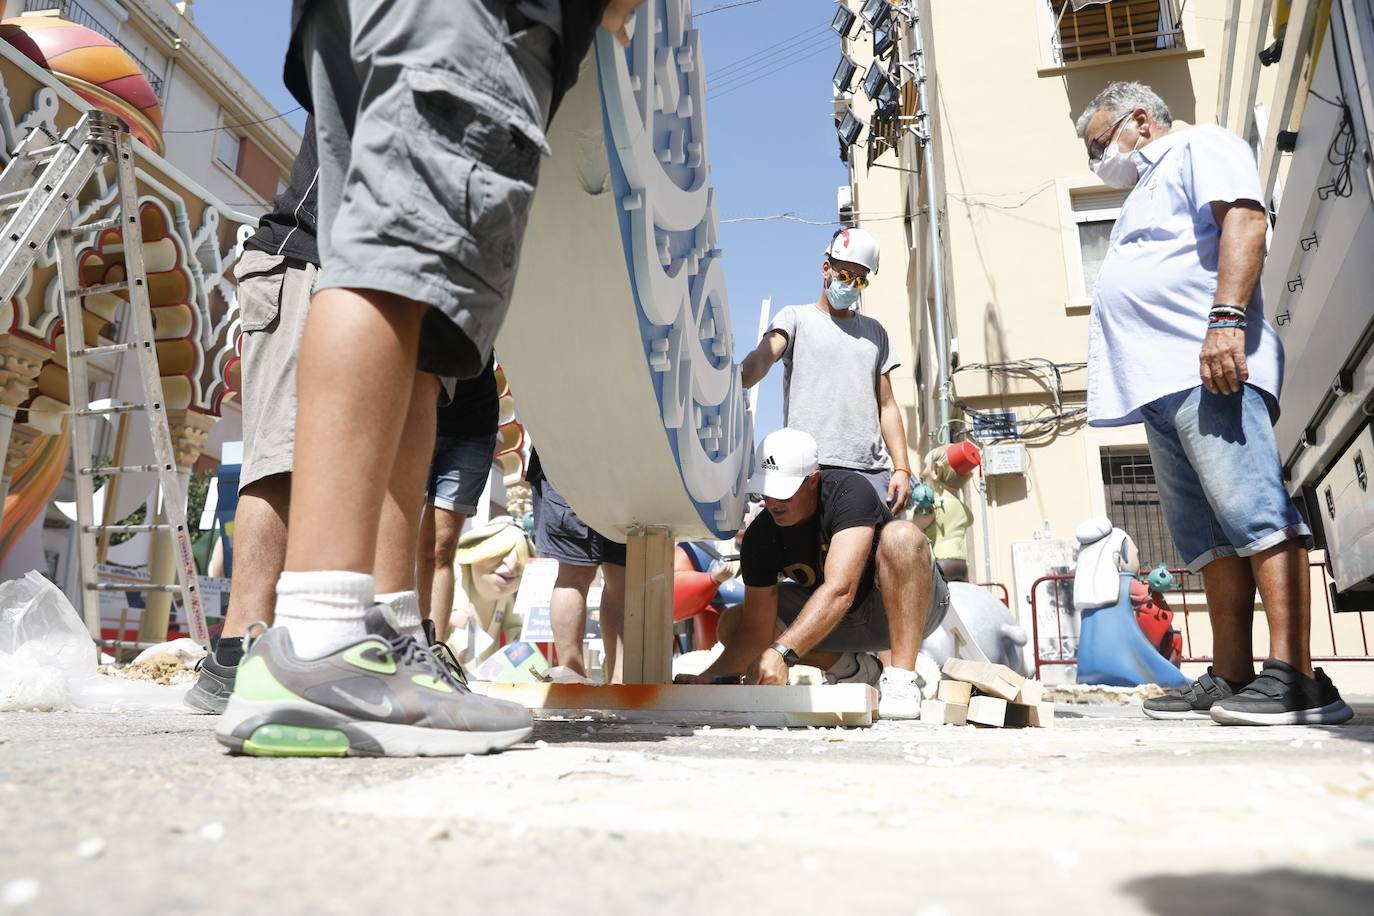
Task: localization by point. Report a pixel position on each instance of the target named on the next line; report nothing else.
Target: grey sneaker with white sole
(1194, 703)
(384, 695)
(1283, 695)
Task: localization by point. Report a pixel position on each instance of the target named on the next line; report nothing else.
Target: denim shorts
(429, 118)
(1217, 467)
(459, 472)
(561, 535)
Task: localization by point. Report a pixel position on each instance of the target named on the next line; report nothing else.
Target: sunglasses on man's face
(845, 276)
(1098, 146)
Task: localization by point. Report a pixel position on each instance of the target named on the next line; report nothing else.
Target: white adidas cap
(783, 462)
(857, 246)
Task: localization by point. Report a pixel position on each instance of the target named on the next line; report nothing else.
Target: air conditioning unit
(844, 199)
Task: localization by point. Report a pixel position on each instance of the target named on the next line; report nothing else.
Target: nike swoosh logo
(380, 710)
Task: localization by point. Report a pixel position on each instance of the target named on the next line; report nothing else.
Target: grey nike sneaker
(383, 696)
(1195, 702)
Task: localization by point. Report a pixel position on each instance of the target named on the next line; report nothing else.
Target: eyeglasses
(845, 276)
(1098, 146)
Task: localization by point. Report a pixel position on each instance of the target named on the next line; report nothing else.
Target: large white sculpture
(618, 347)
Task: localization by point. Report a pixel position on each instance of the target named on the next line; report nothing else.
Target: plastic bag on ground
(44, 645)
(48, 660)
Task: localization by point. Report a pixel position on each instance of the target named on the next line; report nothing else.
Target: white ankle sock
(323, 610)
(406, 607)
(899, 675)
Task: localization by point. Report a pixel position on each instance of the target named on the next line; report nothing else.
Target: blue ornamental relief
(653, 96)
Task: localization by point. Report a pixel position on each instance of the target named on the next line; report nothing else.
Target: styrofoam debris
(19, 891)
(212, 831)
(90, 848)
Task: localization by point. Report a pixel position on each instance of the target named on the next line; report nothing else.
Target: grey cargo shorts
(429, 116)
(274, 300)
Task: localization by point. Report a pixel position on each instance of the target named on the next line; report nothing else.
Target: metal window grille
(1133, 506)
(1115, 28)
(75, 12)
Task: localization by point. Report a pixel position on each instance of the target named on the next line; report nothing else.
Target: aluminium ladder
(39, 189)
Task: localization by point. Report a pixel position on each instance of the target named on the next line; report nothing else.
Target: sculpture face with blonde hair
(490, 560)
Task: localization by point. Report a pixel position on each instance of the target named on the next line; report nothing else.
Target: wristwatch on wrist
(789, 657)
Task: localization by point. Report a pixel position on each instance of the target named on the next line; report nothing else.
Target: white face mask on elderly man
(1117, 168)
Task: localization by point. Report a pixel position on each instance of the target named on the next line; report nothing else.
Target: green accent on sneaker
(255, 682)
(295, 741)
(355, 657)
(433, 683)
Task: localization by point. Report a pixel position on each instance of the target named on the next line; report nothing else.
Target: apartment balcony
(1113, 29)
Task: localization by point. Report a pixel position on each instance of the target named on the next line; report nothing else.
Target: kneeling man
(854, 581)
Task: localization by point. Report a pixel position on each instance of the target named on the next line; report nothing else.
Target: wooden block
(1035, 715)
(994, 680)
(1031, 693)
(938, 712)
(958, 692)
(792, 707)
(987, 711)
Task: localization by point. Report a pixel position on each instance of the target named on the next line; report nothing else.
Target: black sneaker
(441, 651)
(1194, 702)
(1282, 695)
(211, 691)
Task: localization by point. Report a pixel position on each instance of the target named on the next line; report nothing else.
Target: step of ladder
(38, 189)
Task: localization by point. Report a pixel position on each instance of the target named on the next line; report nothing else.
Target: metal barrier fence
(1057, 592)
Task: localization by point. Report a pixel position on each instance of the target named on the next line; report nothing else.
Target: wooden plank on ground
(957, 692)
(1035, 715)
(1031, 693)
(828, 705)
(938, 712)
(987, 711)
(994, 680)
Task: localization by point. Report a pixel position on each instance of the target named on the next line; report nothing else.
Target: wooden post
(189, 431)
(648, 654)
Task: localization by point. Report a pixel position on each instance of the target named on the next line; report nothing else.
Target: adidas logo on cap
(769, 464)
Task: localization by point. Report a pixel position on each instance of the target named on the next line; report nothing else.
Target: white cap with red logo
(857, 246)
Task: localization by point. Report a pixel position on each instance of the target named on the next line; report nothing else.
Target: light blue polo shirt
(1159, 278)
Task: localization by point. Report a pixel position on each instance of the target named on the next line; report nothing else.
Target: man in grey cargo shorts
(430, 128)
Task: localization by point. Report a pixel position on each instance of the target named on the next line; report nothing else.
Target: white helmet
(858, 246)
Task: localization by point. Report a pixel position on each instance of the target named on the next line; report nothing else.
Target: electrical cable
(807, 34)
(210, 130)
(725, 6)
(763, 70)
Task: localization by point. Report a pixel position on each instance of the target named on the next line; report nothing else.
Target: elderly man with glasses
(1178, 341)
(837, 362)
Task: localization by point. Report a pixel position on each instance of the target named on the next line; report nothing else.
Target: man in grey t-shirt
(837, 362)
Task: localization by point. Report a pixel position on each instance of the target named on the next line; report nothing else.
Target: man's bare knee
(902, 542)
(578, 577)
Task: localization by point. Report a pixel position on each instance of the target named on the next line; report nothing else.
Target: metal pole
(937, 276)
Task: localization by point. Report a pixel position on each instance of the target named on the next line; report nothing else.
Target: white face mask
(1117, 168)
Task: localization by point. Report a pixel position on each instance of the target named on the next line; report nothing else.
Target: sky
(771, 140)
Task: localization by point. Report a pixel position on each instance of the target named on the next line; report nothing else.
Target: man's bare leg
(349, 427)
(568, 613)
(905, 579)
(259, 552)
(446, 529)
(398, 532)
(424, 563)
(1286, 591)
(612, 622)
(1229, 584)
